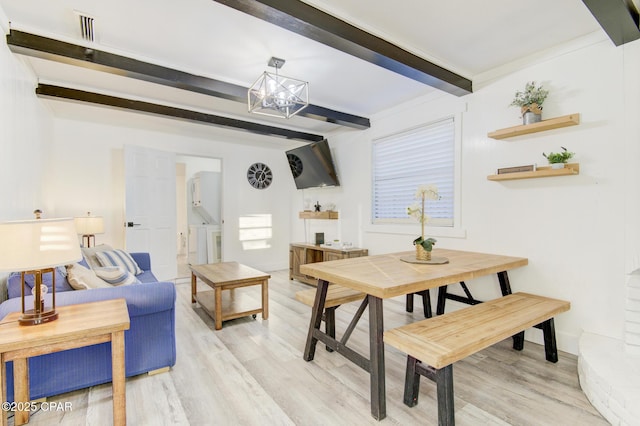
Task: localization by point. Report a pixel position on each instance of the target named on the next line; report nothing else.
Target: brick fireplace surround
(609, 369)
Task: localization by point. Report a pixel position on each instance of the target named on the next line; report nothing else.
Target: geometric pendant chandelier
(276, 95)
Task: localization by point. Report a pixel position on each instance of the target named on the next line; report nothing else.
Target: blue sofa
(150, 342)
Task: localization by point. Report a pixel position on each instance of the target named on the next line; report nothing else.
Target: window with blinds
(407, 160)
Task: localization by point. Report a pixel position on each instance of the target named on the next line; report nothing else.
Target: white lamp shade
(38, 244)
(89, 225)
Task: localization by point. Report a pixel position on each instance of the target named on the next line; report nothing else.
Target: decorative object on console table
(530, 102)
(36, 247)
(88, 226)
(423, 246)
(559, 159)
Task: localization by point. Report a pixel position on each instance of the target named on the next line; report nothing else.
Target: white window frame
(408, 226)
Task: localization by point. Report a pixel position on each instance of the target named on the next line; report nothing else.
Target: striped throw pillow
(118, 258)
(115, 275)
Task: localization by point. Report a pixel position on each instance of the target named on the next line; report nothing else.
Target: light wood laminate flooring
(252, 373)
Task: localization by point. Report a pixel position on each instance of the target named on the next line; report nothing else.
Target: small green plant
(531, 99)
(426, 244)
(559, 157)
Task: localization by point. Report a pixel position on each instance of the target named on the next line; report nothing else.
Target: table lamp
(36, 247)
(88, 226)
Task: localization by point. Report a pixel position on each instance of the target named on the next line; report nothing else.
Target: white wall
(580, 233)
(89, 175)
(24, 146)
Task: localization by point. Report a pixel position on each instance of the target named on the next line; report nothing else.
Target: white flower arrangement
(423, 193)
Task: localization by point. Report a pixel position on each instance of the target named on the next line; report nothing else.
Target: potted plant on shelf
(559, 159)
(423, 245)
(530, 102)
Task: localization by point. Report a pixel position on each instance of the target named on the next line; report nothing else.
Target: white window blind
(404, 161)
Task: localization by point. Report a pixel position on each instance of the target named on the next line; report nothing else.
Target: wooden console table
(303, 253)
(77, 326)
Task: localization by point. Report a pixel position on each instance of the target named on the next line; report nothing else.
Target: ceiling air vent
(86, 27)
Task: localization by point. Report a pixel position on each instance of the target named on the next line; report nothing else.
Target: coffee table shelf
(229, 277)
(236, 303)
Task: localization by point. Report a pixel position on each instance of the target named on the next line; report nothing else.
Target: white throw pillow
(81, 278)
(118, 258)
(89, 254)
(116, 275)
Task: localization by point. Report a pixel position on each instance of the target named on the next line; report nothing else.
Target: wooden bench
(433, 345)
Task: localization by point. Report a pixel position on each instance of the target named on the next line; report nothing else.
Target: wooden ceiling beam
(317, 25)
(59, 51)
(58, 92)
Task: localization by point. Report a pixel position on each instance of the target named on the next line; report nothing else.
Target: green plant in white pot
(557, 160)
(530, 102)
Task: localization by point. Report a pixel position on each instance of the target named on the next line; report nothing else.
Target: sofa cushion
(118, 258)
(62, 284)
(115, 275)
(89, 253)
(81, 278)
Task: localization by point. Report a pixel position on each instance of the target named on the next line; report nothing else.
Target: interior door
(150, 207)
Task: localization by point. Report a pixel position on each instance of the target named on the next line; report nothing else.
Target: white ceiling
(209, 39)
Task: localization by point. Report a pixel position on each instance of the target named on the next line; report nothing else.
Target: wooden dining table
(388, 275)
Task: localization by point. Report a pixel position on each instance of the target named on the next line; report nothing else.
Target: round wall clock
(259, 175)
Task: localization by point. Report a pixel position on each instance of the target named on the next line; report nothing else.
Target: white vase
(557, 165)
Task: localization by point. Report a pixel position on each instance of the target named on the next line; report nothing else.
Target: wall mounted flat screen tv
(312, 165)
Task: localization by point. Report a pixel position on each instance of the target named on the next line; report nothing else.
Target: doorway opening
(199, 212)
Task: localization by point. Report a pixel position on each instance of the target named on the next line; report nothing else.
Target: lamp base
(31, 317)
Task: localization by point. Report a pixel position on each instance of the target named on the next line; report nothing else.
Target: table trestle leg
(376, 350)
(443, 295)
(316, 319)
(505, 287)
(354, 321)
(330, 323)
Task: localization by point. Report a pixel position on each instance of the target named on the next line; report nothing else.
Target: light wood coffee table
(228, 276)
(77, 326)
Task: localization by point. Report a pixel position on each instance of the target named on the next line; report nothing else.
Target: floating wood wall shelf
(546, 171)
(552, 123)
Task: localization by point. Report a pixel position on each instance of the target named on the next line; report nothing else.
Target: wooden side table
(228, 276)
(77, 326)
